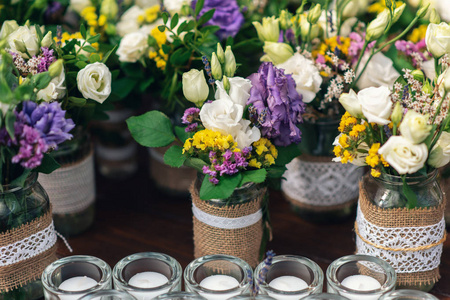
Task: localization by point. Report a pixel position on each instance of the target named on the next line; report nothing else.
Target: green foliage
(174, 156)
(152, 129)
(256, 176)
(222, 190)
(48, 165)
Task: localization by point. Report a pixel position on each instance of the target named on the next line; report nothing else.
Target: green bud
(269, 30)
(422, 11)
(434, 17)
(111, 29)
(314, 14)
(230, 62)
(285, 20)
(55, 68)
(109, 8)
(216, 68)
(47, 41)
(40, 4)
(20, 46)
(418, 75)
(398, 12)
(376, 28)
(397, 113)
(185, 10)
(220, 53)
(226, 84)
(427, 88)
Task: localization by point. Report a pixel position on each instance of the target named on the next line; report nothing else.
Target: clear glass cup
(218, 264)
(250, 297)
(108, 295)
(368, 269)
(137, 263)
(407, 295)
(75, 266)
(180, 296)
(325, 296)
(291, 265)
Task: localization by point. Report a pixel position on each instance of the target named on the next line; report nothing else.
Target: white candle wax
(361, 283)
(288, 284)
(148, 280)
(219, 283)
(76, 284)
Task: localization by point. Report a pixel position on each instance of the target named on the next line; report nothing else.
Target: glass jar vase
(235, 226)
(25, 209)
(71, 188)
(387, 227)
(318, 136)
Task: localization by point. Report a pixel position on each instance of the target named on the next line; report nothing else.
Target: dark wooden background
(134, 216)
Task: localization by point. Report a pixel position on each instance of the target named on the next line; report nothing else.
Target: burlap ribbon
(18, 274)
(243, 242)
(388, 237)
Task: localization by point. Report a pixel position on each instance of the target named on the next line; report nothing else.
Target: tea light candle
(219, 282)
(361, 283)
(288, 284)
(147, 280)
(76, 284)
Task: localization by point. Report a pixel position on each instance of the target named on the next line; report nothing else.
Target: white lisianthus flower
(79, 5)
(305, 74)
(56, 89)
(355, 8)
(376, 28)
(277, 52)
(175, 6)
(379, 72)
(443, 8)
(429, 69)
(24, 41)
(351, 104)
(132, 47)
(415, 127)
(247, 135)
(239, 90)
(404, 156)
(94, 82)
(376, 104)
(269, 30)
(8, 27)
(440, 154)
(195, 87)
(129, 21)
(437, 39)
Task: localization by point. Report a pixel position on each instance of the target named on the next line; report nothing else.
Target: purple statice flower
(274, 95)
(227, 16)
(49, 120)
(246, 151)
(410, 49)
(46, 58)
(191, 127)
(32, 148)
(241, 161)
(290, 36)
(190, 115)
(356, 45)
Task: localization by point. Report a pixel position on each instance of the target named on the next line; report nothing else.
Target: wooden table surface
(134, 216)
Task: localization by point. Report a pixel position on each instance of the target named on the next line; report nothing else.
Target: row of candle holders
(150, 275)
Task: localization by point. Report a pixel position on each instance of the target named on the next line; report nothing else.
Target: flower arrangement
(403, 131)
(246, 134)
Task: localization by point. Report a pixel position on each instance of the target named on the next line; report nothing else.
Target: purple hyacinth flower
(32, 148)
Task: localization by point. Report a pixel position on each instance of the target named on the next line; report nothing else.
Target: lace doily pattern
(71, 188)
(401, 238)
(321, 183)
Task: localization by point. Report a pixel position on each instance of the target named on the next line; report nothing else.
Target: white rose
(56, 89)
(175, 6)
(195, 87)
(305, 74)
(129, 21)
(404, 156)
(24, 38)
(437, 39)
(351, 103)
(146, 3)
(239, 90)
(443, 8)
(376, 104)
(380, 71)
(132, 47)
(8, 27)
(440, 154)
(79, 5)
(415, 127)
(94, 82)
(429, 69)
(247, 135)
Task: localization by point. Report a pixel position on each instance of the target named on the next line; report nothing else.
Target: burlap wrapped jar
(236, 226)
(411, 240)
(27, 240)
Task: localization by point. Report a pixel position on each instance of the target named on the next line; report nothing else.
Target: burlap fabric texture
(243, 242)
(400, 220)
(23, 272)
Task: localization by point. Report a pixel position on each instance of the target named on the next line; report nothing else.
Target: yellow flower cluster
(380, 5)
(352, 135)
(375, 160)
(93, 20)
(330, 44)
(266, 154)
(418, 34)
(347, 121)
(67, 37)
(209, 140)
(150, 16)
(159, 56)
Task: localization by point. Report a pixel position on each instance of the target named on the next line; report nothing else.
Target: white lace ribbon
(402, 238)
(29, 247)
(226, 223)
(71, 189)
(321, 183)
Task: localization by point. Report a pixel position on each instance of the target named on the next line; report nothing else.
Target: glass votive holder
(290, 277)
(108, 295)
(251, 297)
(325, 296)
(180, 296)
(408, 295)
(147, 275)
(218, 277)
(72, 277)
(360, 277)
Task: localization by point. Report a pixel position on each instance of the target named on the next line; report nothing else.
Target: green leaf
(38, 32)
(182, 134)
(286, 154)
(411, 197)
(94, 58)
(222, 190)
(42, 80)
(152, 129)
(181, 27)
(162, 28)
(276, 171)
(68, 57)
(180, 57)
(165, 17)
(188, 37)
(89, 49)
(48, 165)
(198, 7)
(174, 156)
(108, 54)
(174, 21)
(10, 119)
(81, 64)
(123, 87)
(195, 163)
(190, 25)
(20, 181)
(205, 17)
(93, 39)
(166, 48)
(256, 176)
(75, 101)
(83, 31)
